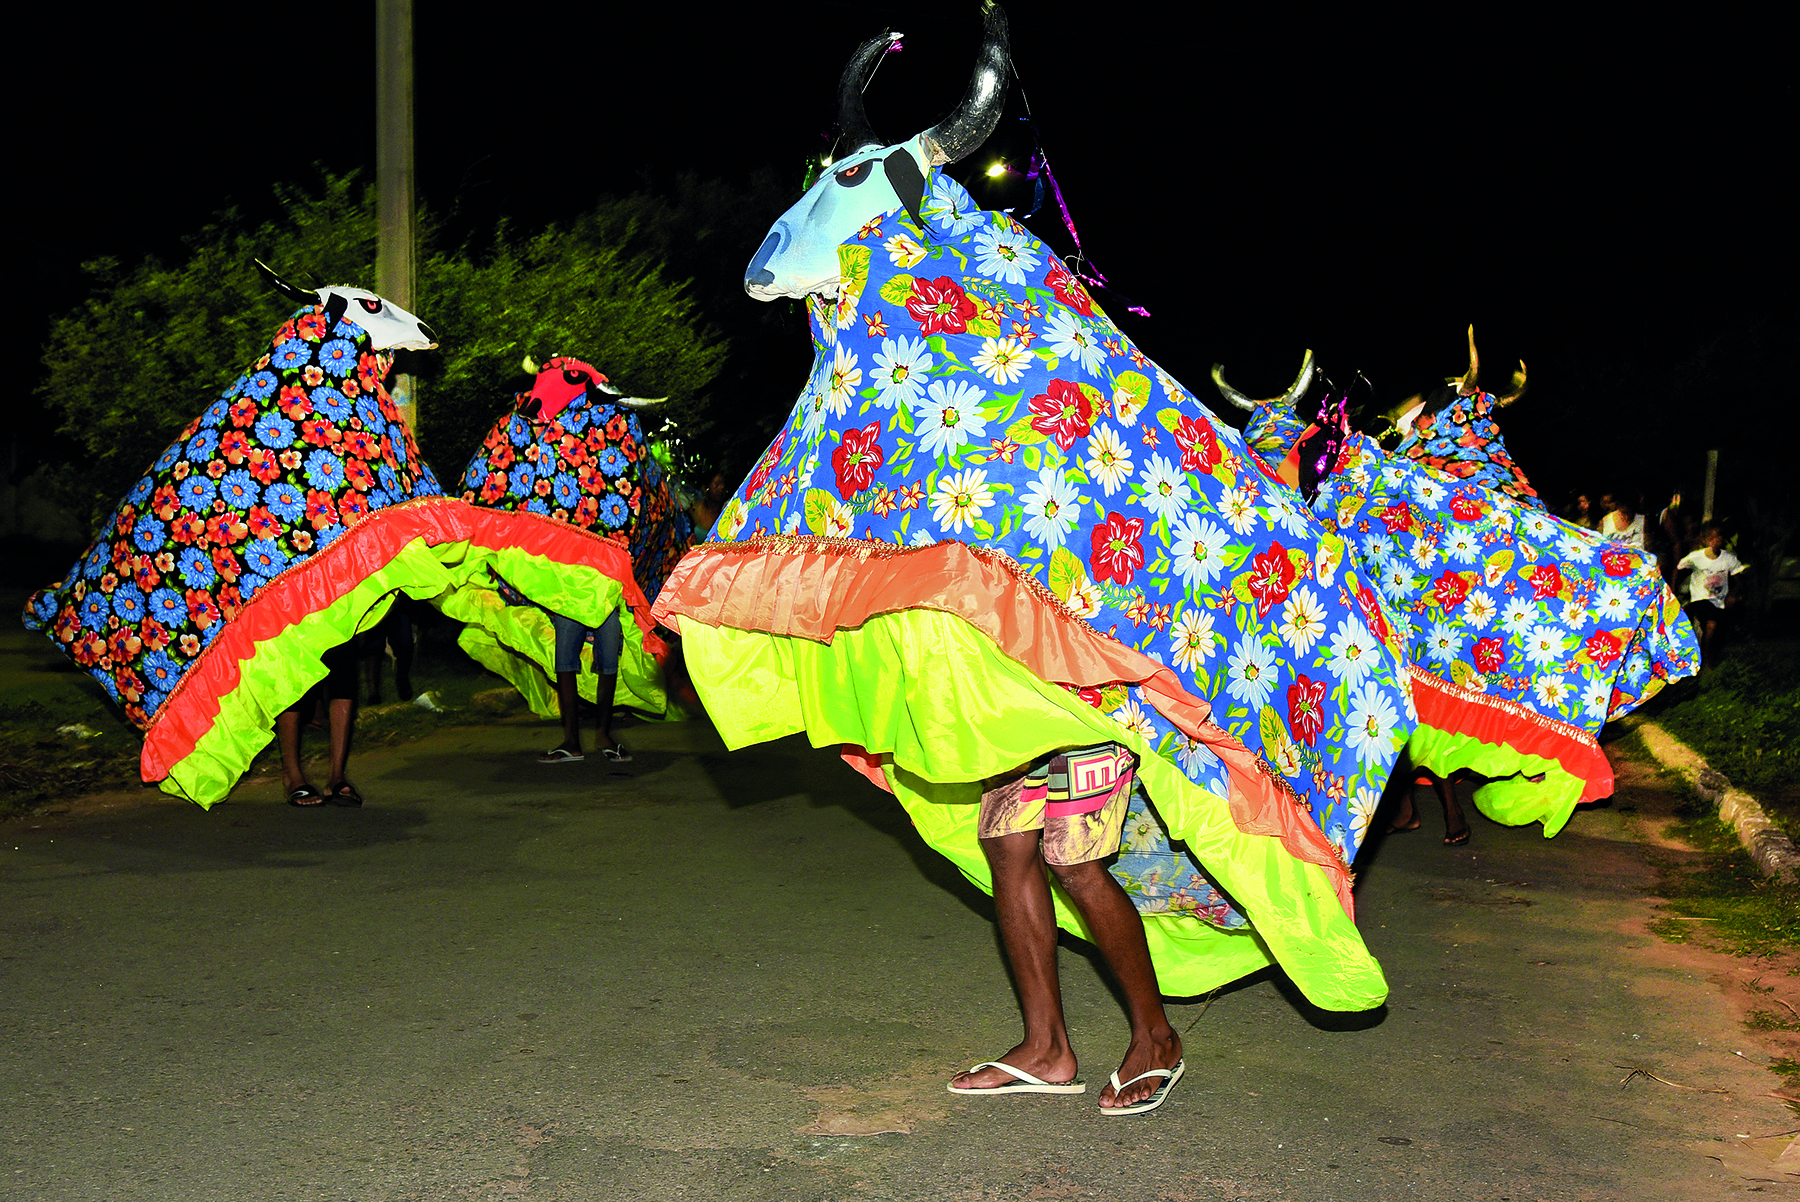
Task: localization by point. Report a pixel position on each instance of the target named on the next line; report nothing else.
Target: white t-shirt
(1710, 579)
(1632, 534)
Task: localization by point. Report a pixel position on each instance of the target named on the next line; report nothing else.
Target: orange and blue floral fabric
(966, 386)
(302, 446)
(1501, 598)
(589, 466)
(1463, 440)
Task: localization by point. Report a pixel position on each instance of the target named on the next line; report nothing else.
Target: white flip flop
(1024, 1082)
(1154, 1100)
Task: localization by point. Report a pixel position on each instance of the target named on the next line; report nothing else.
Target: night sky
(1608, 204)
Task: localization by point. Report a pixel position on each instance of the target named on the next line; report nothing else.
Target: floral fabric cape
(298, 494)
(1504, 601)
(1463, 441)
(966, 387)
(589, 466)
(304, 445)
(589, 469)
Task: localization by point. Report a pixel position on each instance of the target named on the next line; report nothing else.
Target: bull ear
(300, 296)
(1518, 388)
(908, 183)
(336, 305)
(958, 135)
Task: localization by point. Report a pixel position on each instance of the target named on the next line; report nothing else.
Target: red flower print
(226, 564)
(311, 327)
(124, 645)
(1546, 580)
(1466, 508)
(320, 510)
(234, 445)
(164, 503)
(1605, 649)
(1616, 563)
(262, 523)
(940, 306)
(1306, 708)
(587, 511)
(1118, 552)
(143, 573)
(1490, 653)
(1396, 518)
(226, 528)
(202, 610)
(154, 634)
(856, 459)
(769, 459)
(190, 527)
(1271, 578)
(88, 648)
(1064, 413)
(1091, 695)
(243, 412)
(352, 507)
(358, 474)
(264, 467)
(1451, 589)
(1199, 444)
(1069, 290)
(1004, 448)
(294, 402)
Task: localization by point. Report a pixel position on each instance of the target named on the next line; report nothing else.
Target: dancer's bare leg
(568, 706)
(1119, 934)
(1027, 920)
(338, 717)
(287, 733)
(604, 698)
(1456, 825)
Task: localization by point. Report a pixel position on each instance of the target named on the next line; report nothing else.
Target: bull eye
(574, 379)
(849, 177)
(370, 304)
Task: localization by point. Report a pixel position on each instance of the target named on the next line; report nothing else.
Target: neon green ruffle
(281, 669)
(949, 708)
(1508, 797)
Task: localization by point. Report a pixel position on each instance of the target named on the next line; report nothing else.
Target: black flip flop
(306, 797)
(345, 795)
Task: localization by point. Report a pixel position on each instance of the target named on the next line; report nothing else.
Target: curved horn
(1228, 392)
(639, 402)
(1295, 391)
(1301, 383)
(854, 131)
(1467, 379)
(958, 135)
(1518, 388)
(304, 296)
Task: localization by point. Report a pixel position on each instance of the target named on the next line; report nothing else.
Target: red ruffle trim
(358, 554)
(1496, 721)
(810, 587)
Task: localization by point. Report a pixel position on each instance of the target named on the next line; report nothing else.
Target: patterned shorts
(1077, 798)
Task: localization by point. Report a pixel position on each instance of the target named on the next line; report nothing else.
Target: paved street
(741, 976)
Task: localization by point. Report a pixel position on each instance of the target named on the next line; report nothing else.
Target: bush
(1744, 717)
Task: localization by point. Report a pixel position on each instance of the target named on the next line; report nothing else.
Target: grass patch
(1744, 718)
(1725, 899)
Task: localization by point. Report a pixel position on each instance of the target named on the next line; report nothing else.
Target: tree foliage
(154, 343)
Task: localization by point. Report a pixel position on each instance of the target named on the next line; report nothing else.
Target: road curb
(1766, 842)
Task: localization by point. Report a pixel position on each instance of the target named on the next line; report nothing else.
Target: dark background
(1610, 203)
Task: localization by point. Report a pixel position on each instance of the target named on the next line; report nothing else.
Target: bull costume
(1524, 634)
(993, 530)
(279, 524)
(573, 452)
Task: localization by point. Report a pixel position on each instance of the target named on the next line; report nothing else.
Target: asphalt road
(741, 976)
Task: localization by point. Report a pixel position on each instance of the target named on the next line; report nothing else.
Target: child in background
(1709, 570)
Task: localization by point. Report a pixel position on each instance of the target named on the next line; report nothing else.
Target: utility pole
(1712, 480)
(396, 273)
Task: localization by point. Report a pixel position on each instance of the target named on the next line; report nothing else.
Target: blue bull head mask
(800, 255)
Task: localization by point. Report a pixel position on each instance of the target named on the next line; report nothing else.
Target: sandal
(616, 753)
(561, 755)
(306, 797)
(345, 795)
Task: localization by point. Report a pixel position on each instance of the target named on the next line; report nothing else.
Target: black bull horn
(968, 125)
(1301, 383)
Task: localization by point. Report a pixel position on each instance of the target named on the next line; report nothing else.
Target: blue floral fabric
(303, 445)
(1462, 440)
(965, 386)
(1502, 599)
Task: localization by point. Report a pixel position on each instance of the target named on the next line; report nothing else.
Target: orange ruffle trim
(1497, 721)
(811, 587)
(358, 554)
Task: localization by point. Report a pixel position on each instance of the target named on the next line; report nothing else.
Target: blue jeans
(609, 640)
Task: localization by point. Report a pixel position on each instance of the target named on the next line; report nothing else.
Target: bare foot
(1158, 1049)
(1055, 1065)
